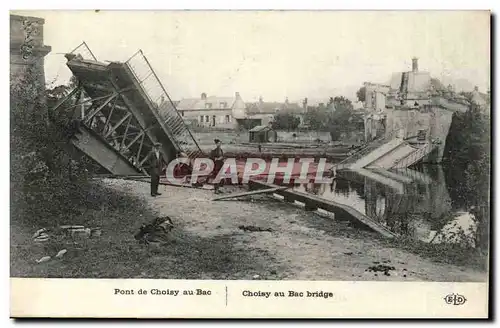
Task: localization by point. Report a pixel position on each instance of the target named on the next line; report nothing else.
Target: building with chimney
(375, 96)
(212, 111)
(482, 100)
(418, 108)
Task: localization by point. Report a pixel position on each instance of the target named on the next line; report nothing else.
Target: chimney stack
(414, 64)
(203, 96)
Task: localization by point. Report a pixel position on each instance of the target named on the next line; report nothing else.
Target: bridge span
(118, 111)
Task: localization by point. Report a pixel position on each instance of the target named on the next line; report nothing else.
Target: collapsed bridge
(118, 110)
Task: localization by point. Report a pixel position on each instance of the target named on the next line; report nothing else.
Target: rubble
(61, 253)
(254, 228)
(155, 232)
(380, 268)
(62, 235)
(43, 259)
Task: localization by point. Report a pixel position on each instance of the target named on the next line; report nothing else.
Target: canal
(415, 203)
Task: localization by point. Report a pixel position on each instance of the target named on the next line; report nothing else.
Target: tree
(316, 118)
(467, 155)
(361, 94)
(342, 103)
(285, 121)
(339, 121)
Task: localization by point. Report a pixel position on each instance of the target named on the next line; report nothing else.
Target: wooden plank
(329, 205)
(148, 180)
(248, 193)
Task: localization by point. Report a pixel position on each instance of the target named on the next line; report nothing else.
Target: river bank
(208, 243)
(268, 151)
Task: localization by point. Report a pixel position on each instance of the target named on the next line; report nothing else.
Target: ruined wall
(27, 50)
(375, 96)
(439, 128)
(409, 121)
(435, 120)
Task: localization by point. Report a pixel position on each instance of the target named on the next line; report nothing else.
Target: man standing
(155, 168)
(217, 155)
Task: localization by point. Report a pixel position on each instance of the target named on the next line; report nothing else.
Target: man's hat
(156, 144)
(216, 140)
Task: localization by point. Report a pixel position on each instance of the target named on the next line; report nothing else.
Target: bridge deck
(313, 202)
(126, 107)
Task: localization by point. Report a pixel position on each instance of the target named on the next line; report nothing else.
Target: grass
(454, 254)
(116, 254)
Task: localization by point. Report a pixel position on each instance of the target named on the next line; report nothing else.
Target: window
(207, 118)
(223, 104)
(208, 106)
(228, 119)
(201, 119)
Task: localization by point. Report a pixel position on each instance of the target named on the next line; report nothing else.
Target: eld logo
(455, 299)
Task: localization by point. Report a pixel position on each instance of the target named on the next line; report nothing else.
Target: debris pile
(63, 235)
(155, 232)
(69, 231)
(385, 269)
(381, 268)
(254, 228)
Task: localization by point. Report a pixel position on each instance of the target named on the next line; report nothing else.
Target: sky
(276, 54)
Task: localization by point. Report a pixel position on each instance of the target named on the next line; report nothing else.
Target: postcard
(250, 164)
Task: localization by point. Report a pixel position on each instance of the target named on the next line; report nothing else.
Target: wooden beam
(62, 101)
(86, 101)
(140, 148)
(248, 193)
(140, 134)
(125, 134)
(147, 179)
(144, 159)
(313, 202)
(98, 109)
(82, 107)
(77, 99)
(120, 122)
(109, 116)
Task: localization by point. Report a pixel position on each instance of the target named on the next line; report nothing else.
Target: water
(415, 203)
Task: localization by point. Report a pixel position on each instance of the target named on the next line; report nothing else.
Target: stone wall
(435, 120)
(27, 50)
(440, 124)
(409, 121)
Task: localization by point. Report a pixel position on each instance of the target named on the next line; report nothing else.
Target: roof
(419, 82)
(273, 107)
(200, 104)
(259, 128)
(479, 98)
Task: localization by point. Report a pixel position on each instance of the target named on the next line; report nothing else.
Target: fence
(414, 157)
(84, 51)
(154, 90)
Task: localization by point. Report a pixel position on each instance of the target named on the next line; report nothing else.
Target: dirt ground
(207, 242)
(301, 245)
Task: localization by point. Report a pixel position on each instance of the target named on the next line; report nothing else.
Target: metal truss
(111, 121)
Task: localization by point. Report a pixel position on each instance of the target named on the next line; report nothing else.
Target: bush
(45, 180)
